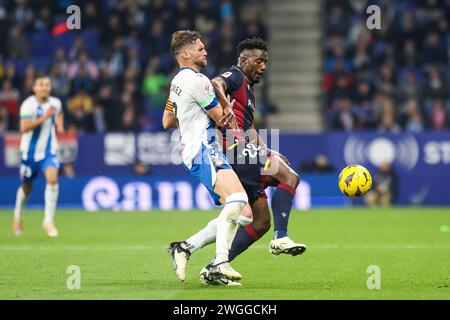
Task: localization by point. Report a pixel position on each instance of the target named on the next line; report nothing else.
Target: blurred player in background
(196, 111)
(39, 115)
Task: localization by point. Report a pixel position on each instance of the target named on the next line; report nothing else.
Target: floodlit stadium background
(338, 91)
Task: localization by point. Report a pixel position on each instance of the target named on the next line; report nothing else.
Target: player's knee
(26, 188)
(52, 180)
(293, 179)
(261, 221)
(244, 220)
(297, 179)
(261, 228)
(247, 212)
(237, 202)
(262, 225)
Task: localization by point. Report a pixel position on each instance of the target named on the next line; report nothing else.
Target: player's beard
(201, 63)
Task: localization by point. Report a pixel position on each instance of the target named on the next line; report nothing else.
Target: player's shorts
(205, 165)
(29, 169)
(249, 165)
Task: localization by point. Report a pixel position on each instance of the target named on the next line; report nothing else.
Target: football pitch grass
(123, 255)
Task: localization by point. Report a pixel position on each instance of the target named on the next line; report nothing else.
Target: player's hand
(60, 130)
(226, 120)
(229, 119)
(50, 113)
(281, 156)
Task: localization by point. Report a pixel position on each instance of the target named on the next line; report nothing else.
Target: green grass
(123, 256)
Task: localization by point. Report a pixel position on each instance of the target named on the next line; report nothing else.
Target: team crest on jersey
(218, 162)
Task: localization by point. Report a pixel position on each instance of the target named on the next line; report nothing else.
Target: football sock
(244, 238)
(281, 207)
(207, 235)
(204, 237)
(51, 198)
(227, 224)
(21, 198)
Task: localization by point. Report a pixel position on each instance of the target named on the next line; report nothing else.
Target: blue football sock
(245, 237)
(281, 207)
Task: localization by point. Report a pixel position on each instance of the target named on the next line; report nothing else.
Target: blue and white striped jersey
(37, 144)
(192, 94)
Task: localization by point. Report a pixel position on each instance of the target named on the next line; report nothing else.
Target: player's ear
(185, 54)
(242, 60)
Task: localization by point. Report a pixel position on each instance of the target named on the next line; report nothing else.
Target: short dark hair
(251, 43)
(40, 76)
(182, 38)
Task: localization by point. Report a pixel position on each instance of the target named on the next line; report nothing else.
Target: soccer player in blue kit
(39, 115)
(196, 111)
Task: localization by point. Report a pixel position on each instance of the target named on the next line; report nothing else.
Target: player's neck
(41, 99)
(190, 66)
(245, 75)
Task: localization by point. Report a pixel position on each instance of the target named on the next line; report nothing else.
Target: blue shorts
(29, 169)
(205, 166)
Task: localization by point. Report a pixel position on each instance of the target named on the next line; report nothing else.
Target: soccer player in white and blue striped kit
(39, 115)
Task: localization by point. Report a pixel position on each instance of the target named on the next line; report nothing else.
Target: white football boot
(207, 280)
(287, 246)
(224, 270)
(180, 258)
(50, 229)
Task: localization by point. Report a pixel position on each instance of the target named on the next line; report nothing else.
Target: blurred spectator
(384, 187)
(410, 117)
(80, 113)
(60, 82)
(438, 116)
(44, 21)
(9, 100)
(90, 16)
(344, 117)
(388, 123)
(153, 85)
(4, 119)
(67, 170)
(114, 72)
(407, 59)
(17, 44)
(321, 164)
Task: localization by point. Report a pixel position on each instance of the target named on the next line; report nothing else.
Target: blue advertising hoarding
(133, 193)
(421, 161)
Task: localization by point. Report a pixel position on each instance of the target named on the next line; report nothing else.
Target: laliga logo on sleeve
(404, 151)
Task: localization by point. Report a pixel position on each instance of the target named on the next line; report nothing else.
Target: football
(355, 181)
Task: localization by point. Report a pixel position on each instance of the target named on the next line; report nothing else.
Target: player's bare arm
(220, 88)
(60, 124)
(168, 120)
(29, 124)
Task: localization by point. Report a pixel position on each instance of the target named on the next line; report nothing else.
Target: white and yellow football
(355, 181)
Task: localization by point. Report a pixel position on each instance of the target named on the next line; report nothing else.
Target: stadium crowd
(113, 73)
(392, 79)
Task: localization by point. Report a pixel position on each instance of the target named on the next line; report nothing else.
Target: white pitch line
(140, 248)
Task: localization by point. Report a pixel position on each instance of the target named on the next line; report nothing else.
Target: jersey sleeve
(203, 92)
(233, 80)
(26, 110)
(57, 105)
